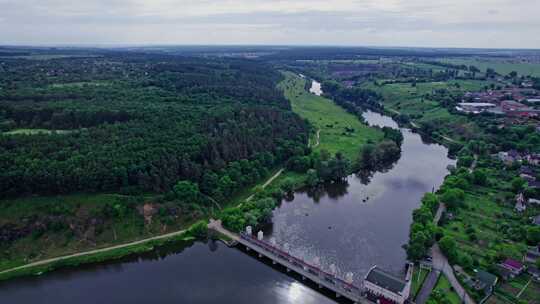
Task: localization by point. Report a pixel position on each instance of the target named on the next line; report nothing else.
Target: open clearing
(329, 118)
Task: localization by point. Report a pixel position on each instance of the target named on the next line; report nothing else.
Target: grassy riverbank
(340, 131)
(109, 253)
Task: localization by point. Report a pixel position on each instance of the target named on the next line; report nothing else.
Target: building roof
(536, 220)
(533, 270)
(476, 104)
(487, 278)
(385, 280)
(513, 264)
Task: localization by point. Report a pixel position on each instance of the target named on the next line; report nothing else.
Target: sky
(422, 23)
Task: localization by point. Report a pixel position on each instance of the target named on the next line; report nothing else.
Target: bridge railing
(292, 259)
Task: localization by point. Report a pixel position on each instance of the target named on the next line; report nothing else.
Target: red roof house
(516, 267)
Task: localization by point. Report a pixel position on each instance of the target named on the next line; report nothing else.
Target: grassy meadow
(329, 118)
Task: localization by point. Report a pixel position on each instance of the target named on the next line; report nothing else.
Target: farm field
(520, 290)
(415, 102)
(500, 66)
(330, 118)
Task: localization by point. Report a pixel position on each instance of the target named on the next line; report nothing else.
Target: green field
(418, 278)
(329, 118)
(418, 104)
(501, 66)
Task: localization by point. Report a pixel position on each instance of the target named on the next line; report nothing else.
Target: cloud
(479, 23)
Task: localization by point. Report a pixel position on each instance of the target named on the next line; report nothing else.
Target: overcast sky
(438, 23)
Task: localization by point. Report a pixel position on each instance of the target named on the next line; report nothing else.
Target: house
(526, 171)
(515, 267)
(511, 105)
(504, 273)
(520, 203)
(383, 287)
(534, 272)
(510, 156)
(533, 184)
(533, 159)
(536, 220)
(533, 201)
(484, 281)
(474, 107)
(532, 255)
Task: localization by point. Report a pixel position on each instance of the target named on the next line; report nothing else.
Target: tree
(287, 185)
(465, 161)
(533, 235)
(431, 201)
(312, 178)
(453, 198)
(518, 184)
(187, 191)
(422, 215)
(449, 248)
(479, 177)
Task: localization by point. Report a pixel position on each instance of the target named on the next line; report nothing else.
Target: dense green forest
(135, 123)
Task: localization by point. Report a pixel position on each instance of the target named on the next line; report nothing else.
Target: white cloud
(478, 23)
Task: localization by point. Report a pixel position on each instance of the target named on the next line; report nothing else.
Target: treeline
(220, 124)
(354, 100)
(320, 167)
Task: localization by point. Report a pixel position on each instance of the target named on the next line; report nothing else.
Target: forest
(136, 123)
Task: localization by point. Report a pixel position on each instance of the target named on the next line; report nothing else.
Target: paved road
(47, 261)
(440, 262)
(427, 287)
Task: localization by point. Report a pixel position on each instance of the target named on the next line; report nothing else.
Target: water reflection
(202, 273)
(365, 221)
(353, 225)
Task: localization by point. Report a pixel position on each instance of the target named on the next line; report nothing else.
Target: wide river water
(354, 225)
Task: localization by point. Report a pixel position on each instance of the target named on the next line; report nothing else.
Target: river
(354, 225)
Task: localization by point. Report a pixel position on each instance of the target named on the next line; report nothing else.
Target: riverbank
(104, 254)
(339, 131)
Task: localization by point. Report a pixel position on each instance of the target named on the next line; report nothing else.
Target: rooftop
(487, 278)
(513, 263)
(386, 280)
(476, 104)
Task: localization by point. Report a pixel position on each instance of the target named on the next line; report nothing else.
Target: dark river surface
(335, 224)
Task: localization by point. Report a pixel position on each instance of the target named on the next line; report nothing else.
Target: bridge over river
(327, 279)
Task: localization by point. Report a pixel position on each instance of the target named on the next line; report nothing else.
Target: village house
(534, 272)
(474, 107)
(533, 201)
(533, 159)
(509, 157)
(532, 255)
(484, 281)
(533, 184)
(526, 172)
(520, 203)
(536, 220)
(513, 267)
(383, 287)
